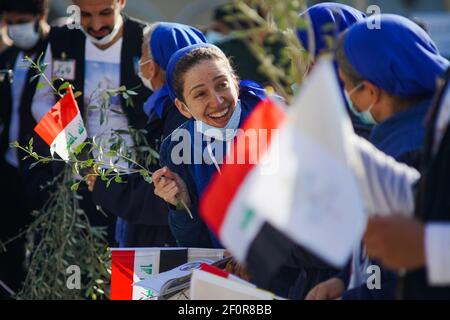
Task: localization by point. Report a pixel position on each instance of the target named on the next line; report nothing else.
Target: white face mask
(24, 35)
(223, 134)
(108, 38)
(144, 80)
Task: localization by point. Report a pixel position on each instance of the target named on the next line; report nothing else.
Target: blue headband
(398, 57)
(167, 38)
(176, 57)
(328, 19)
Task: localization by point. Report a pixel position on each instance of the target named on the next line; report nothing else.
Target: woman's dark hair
(35, 7)
(192, 59)
(343, 63)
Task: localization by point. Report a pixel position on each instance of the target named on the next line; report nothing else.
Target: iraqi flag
(62, 127)
(304, 187)
(247, 235)
(132, 265)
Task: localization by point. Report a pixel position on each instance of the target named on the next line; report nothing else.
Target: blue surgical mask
(365, 116)
(24, 35)
(223, 134)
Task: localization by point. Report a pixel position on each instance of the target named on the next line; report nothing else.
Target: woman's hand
(170, 187)
(327, 290)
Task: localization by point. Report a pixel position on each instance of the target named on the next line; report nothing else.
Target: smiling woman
(206, 90)
(206, 86)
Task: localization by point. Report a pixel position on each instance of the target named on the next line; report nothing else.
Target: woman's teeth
(220, 114)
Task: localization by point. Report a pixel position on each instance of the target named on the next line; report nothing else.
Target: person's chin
(99, 35)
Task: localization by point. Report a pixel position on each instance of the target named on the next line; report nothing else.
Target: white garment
(392, 185)
(389, 183)
(20, 76)
(437, 253)
(102, 72)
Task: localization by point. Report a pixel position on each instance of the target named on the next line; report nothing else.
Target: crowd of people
(394, 80)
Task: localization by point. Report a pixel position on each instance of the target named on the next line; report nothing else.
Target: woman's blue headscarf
(328, 19)
(398, 57)
(165, 40)
(177, 56)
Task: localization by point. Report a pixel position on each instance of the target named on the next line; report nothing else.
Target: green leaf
(33, 165)
(130, 103)
(110, 154)
(143, 173)
(154, 154)
(121, 131)
(102, 117)
(43, 67)
(105, 95)
(74, 187)
(77, 94)
(80, 148)
(180, 205)
(148, 179)
(118, 179)
(14, 144)
(40, 85)
(65, 85)
(132, 93)
(34, 77)
(116, 111)
(56, 78)
(89, 163)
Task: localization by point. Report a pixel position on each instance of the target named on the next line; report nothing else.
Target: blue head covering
(177, 56)
(166, 39)
(328, 19)
(398, 57)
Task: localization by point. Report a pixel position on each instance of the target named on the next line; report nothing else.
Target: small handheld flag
(62, 128)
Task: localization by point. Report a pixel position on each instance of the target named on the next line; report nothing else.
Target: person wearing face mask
(205, 89)
(302, 271)
(391, 84)
(27, 27)
(103, 53)
(144, 223)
